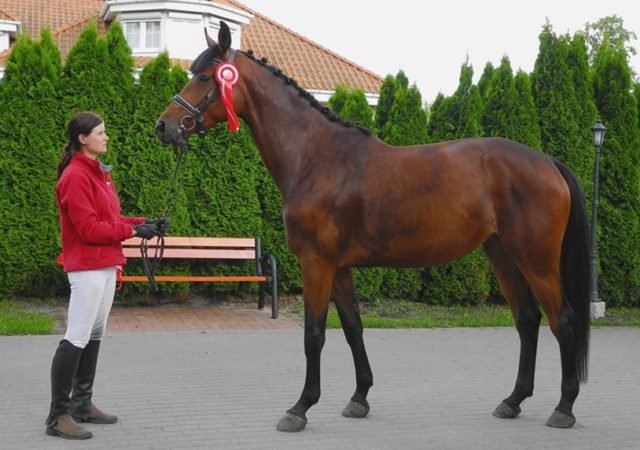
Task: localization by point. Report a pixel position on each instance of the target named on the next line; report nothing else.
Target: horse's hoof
(291, 422)
(561, 420)
(355, 410)
(505, 411)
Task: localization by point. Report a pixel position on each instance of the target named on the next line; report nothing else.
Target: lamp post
(597, 305)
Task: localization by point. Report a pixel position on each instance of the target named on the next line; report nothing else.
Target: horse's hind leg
(344, 297)
(527, 318)
(561, 321)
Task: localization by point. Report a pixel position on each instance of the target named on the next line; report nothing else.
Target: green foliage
(30, 139)
(500, 102)
(338, 99)
(352, 106)
(619, 237)
(227, 191)
(385, 101)
(357, 110)
(561, 111)
(407, 122)
(458, 116)
(485, 79)
(525, 117)
(610, 29)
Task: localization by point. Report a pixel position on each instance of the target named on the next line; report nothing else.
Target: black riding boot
(64, 364)
(82, 409)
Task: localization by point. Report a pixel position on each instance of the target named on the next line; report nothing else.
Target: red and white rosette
(227, 77)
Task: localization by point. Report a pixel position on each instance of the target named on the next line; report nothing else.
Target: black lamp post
(598, 131)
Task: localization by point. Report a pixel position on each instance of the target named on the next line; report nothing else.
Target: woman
(92, 230)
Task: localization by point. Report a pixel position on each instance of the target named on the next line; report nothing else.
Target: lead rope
(175, 185)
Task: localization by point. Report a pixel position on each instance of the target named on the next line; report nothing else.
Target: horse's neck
(288, 131)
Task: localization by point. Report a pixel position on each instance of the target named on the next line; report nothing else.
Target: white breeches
(92, 293)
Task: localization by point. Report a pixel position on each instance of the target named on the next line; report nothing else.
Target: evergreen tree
(525, 118)
(558, 105)
(407, 124)
(385, 101)
(31, 139)
(618, 217)
(356, 109)
(500, 102)
(119, 108)
(585, 114)
(458, 116)
(485, 79)
(338, 100)
(86, 81)
(441, 126)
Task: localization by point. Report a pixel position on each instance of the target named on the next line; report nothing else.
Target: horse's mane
(327, 112)
(210, 53)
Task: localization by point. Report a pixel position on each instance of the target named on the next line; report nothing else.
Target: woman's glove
(145, 230)
(161, 224)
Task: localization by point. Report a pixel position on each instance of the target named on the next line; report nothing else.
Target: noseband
(195, 113)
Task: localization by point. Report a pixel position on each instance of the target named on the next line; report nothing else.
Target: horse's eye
(205, 78)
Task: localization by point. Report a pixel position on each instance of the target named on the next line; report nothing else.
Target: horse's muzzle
(177, 138)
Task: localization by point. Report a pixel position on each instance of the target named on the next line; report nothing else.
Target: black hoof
(355, 410)
(561, 420)
(505, 411)
(290, 423)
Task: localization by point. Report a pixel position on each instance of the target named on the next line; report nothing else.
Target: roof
(313, 66)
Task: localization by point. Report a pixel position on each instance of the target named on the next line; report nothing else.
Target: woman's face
(94, 144)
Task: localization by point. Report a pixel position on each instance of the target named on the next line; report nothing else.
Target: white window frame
(142, 47)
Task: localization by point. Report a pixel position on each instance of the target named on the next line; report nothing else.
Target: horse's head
(208, 98)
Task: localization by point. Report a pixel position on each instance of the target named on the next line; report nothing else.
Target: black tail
(575, 270)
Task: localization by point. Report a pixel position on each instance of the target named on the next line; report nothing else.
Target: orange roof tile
(313, 66)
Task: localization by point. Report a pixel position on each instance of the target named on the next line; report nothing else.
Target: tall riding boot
(64, 364)
(82, 409)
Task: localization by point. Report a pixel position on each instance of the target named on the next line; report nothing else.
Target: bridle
(195, 112)
(220, 84)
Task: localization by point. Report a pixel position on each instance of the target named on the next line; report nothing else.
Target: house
(152, 26)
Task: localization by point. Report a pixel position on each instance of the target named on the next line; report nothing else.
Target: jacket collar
(94, 165)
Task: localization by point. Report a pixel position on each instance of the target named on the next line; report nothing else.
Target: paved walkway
(226, 389)
(182, 318)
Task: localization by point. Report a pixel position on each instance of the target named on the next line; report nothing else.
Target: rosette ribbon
(227, 77)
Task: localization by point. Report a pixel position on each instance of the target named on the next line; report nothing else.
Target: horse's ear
(210, 41)
(224, 37)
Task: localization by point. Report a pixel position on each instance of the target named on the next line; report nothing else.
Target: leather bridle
(196, 112)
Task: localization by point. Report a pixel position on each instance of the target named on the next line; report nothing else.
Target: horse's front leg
(317, 278)
(346, 301)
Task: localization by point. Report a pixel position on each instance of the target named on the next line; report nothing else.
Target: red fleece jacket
(90, 220)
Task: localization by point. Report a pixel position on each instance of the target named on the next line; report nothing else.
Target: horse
(350, 200)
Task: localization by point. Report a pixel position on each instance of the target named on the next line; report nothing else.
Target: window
(143, 35)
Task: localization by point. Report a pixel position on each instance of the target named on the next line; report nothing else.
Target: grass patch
(17, 320)
(402, 314)
(625, 317)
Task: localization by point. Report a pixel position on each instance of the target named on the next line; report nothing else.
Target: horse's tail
(575, 270)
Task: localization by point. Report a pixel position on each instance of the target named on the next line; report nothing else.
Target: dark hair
(81, 123)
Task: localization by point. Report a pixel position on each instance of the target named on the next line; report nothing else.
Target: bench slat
(194, 253)
(179, 241)
(192, 279)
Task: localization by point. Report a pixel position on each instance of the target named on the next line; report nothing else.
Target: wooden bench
(207, 248)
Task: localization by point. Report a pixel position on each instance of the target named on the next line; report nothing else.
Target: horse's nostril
(160, 128)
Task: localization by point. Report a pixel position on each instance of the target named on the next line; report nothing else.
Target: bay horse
(350, 200)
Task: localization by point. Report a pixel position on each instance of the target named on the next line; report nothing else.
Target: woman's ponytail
(67, 154)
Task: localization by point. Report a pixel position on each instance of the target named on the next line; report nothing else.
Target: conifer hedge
(227, 191)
